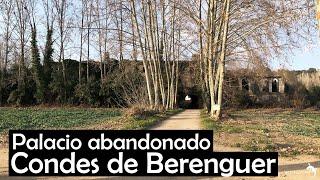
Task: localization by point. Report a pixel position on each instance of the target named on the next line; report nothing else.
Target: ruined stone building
(274, 88)
(263, 89)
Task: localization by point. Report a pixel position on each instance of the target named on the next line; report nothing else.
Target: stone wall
(267, 84)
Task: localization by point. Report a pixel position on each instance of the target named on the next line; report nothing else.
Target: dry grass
(287, 131)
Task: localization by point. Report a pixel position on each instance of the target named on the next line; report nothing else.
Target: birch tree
(142, 48)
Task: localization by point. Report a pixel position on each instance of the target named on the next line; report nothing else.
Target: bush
(314, 96)
(298, 95)
(22, 93)
(57, 87)
(88, 93)
(108, 93)
(140, 112)
(243, 99)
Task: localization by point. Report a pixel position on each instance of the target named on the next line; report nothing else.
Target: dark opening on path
(189, 101)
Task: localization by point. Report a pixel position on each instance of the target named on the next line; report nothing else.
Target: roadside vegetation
(135, 119)
(288, 131)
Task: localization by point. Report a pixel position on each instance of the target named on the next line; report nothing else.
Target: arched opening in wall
(190, 98)
(275, 85)
(191, 102)
(245, 84)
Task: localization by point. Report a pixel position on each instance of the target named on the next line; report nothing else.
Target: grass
(287, 131)
(208, 123)
(75, 118)
(217, 126)
(147, 122)
(53, 118)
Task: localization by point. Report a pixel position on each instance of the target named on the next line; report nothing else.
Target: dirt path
(186, 120)
(3, 161)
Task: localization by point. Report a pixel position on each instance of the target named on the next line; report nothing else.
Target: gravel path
(186, 120)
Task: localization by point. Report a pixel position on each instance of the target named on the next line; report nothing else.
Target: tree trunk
(142, 51)
(222, 57)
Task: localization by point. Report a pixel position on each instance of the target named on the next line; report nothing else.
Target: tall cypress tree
(48, 61)
(37, 70)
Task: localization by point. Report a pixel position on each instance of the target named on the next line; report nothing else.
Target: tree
(48, 61)
(21, 19)
(48, 49)
(7, 9)
(144, 60)
(318, 13)
(88, 15)
(37, 69)
(61, 8)
(83, 7)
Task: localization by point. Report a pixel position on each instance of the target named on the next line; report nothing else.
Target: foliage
(56, 87)
(298, 95)
(37, 69)
(88, 93)
(242, 99)
(21, 92)
(48, 62)
(124, 86)
(314, 96)
(140, 112)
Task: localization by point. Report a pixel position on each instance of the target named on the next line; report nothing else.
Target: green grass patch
(66, 118)
(304, 123)
(232, 129)
(303, 129)
(208, 123)
(53, 118)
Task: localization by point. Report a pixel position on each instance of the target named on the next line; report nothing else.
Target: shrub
(314, 96)
(140, 112)
(243, 99)
(299, 97)
(57, 87)
(88, 93)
